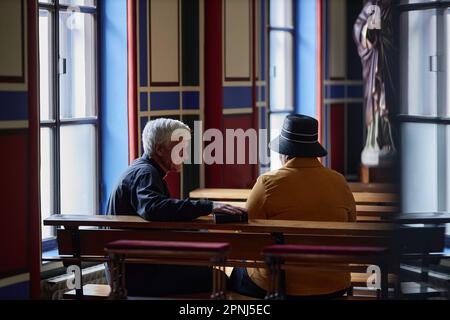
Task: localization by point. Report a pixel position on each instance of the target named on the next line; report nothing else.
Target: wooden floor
(102, 291)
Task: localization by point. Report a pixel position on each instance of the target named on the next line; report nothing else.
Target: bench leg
(79, 291)
(384, 282)
(277, 279)
(117, 270)
(350, 292)
(219, 283)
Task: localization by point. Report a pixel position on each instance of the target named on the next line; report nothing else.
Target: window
(425, 108)
(281, 64)
(68, 108)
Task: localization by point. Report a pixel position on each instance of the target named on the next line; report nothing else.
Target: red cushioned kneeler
(168, 245)
(332, 250)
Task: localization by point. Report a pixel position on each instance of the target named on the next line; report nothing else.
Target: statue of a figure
(373, 34)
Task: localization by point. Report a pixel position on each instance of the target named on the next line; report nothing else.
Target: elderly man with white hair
(142, 191)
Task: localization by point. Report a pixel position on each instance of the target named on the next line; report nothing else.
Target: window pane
(281, 13)
(420, 156)
(90, 3)
(419, 95)
(445, 112)
(47, 187)
(78, 169)
(46, 66)
(276, 123)
(281, 71)
(77, 65)
(447, 170)
(45, 1)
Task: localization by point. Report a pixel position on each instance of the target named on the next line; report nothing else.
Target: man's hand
(227, 209)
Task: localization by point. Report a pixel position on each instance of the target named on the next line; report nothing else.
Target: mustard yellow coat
(303, 189)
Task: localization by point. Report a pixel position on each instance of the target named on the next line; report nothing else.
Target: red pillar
(255, 120)
(319, 86)
(213, 80)
(133, 146)
(34, 225)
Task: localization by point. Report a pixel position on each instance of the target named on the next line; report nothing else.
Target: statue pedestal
(378, 174)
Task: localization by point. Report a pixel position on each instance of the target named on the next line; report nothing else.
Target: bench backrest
(361, 198)
(247, 240)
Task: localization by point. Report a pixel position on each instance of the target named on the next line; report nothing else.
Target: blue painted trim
(143, 120)
(262, 94)
(114, 95)
(143, 101)
(164, 101)
(305, 56)
(344, 91)
(17, 291)
(191, 100)
(13, 106)
(143, 39)
(355, 91)
(262, 114)
(237, 97)
(49, 245)
(335, 92)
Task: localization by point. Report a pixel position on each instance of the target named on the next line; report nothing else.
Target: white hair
(160, 131)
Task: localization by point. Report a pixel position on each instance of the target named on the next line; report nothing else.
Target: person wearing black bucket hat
(299, 138)
(303, 189)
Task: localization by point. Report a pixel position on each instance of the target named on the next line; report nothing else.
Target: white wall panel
(338, 39)
(237, 36)
(164, 41)
(11, 39)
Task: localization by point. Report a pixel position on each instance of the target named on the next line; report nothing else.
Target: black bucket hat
(299, 138)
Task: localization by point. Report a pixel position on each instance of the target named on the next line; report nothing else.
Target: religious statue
(373, 35)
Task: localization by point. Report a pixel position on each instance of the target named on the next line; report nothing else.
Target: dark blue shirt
(142, 190)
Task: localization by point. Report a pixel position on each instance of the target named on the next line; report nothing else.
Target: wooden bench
(373, 187)
(83, 238)
(207, 254)
(364, 213)
(243, 194)
(278, 257)
(370, 206)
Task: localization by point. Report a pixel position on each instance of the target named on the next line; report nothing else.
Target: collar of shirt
(153, 163)
(303, 163)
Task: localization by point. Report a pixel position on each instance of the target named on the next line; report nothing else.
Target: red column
(255, 121)
(34, 225)
(132, 82)
(319, 86)
(213, 80)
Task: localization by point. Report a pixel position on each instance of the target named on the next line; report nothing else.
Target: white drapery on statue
(373, 37)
